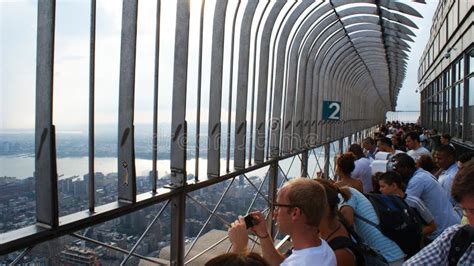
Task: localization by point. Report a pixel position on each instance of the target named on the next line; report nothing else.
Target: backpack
(369, 256)
(398, 221)
(341, 242)
(459, 243)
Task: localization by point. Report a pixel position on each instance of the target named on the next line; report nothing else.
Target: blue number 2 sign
(331, 110)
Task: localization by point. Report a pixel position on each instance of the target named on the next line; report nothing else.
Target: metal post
(272, 194)
(180, 76)
(154, 173)
(304, 164)
(231, 74)
(242, 86)
(126, 147)
(178, 207)
(326, 160)
(179, 132)
(91, 108)
(46, 175)
(198, 104)
(215, 91)
(263, 84)
(341, 145)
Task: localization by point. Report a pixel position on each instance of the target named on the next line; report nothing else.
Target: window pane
(471, 62)
(471, 109)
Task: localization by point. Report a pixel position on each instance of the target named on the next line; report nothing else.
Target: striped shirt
(420, 208)
(368, 233)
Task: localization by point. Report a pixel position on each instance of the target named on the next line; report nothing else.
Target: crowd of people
(338, 221)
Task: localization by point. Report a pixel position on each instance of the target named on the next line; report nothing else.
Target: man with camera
(300, 206)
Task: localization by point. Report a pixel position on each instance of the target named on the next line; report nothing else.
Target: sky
(18, 61)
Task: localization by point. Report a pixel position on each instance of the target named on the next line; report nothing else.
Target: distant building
(79, 256)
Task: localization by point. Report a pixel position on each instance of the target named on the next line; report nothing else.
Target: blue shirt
(368, 233)
(437, 252)
(424, 186)
(420, 208)
(446, 180)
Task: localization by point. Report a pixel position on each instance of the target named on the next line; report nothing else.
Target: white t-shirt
(363, 172)
(321, 255)
(418, 152)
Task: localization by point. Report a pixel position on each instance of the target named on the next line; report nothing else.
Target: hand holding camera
(238, 235)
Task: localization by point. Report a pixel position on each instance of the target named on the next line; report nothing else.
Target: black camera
(249, 221)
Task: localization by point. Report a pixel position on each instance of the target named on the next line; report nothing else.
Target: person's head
(238, 259)
(356, 149)
(464, 158)
(425, 162)
(300, 201)
(345, 163)
(462, 190)
(368, 143)
(331, 196)
(384, 144)
(405, 166)
(391, 183)
(412, 140)
(445, 139)
(445, 156)
(396, 140)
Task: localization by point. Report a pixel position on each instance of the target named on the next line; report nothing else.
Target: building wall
(446, 72)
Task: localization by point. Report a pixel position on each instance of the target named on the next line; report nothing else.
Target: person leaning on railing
(300, 207)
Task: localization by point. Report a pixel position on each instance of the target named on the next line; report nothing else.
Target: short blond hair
(310, 197)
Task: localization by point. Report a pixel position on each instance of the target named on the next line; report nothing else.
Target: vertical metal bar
(215, 91)
(304, 164)
(45, 145)
(279, 77)
(304, 81)
(178, 206)
(274, 123)
(91, 108)
(231, 74)
(465, 119)
(178, 131)
(154, 174)
(242, 86)
(272, 193)
(254, 70)
(326, 160)
(341, 145)
(178, 123)
(296, 93)
(126, 148)
(198, 104)
(453, 101)
(130, 253)
(263, 81)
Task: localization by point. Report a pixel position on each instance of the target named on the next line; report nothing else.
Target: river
(23, 166)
